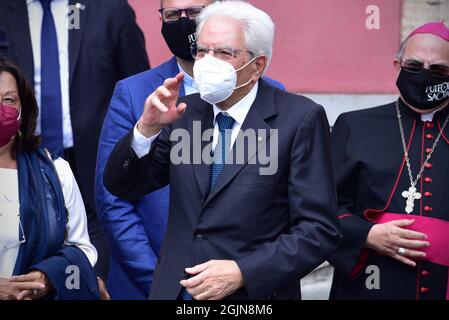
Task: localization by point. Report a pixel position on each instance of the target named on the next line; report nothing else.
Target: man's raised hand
(160, 107)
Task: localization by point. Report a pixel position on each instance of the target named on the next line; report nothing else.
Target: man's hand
(32, 286)
(104, 294)
(213, 280)
(160, 107)
(387, 238)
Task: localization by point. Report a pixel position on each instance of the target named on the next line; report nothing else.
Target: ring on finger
(401, 251)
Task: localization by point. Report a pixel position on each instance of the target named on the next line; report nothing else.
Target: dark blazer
(276, 227)
(108, 47)
(135, 229)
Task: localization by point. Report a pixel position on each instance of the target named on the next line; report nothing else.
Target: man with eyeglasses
(135, 229)
(392, 182)
(234, 230)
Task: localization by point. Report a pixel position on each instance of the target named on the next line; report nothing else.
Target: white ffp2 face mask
(216, 79)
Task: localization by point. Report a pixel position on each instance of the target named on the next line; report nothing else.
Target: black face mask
(423, 90)
(179, 36)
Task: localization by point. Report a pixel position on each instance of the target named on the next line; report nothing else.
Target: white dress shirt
(59, 9)
(429, 116)
(9, 221)
(142, 145)
(76, 226)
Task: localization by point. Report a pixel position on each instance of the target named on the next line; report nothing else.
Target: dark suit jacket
(3, 43)
(276, 227)
(108, 47)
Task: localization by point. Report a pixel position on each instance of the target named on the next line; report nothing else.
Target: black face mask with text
(179, 36)
(423, 90)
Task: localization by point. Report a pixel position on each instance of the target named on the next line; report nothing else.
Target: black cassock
(371, 175)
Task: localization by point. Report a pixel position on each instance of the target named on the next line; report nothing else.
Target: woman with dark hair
(45, 250)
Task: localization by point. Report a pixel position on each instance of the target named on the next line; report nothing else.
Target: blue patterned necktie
(225, 124)
(51, 100)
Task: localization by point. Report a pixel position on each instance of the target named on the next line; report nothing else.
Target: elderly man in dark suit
(74, 52)
(136, 228)
(242, 229)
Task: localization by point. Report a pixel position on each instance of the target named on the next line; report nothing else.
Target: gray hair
(401, 52)
(258, 26)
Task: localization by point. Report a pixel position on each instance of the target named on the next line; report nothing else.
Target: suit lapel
(262, 109)
(76, 36)
(20, 37)
(202, 170)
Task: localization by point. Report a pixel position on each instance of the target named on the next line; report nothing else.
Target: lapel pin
(80, 6)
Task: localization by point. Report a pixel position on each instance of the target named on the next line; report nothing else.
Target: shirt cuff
(141, 144)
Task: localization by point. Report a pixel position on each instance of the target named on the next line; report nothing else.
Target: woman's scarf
(43, 216)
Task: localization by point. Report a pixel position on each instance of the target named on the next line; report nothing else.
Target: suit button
(425, 273)
(428, 180)
(429, 125)
(428, 150)
(199, 237)
(428, 194)
(429, 166)
(424, 290)
(428, 209)
(429, 136)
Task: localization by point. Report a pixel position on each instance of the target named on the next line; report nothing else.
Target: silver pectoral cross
(411, 195)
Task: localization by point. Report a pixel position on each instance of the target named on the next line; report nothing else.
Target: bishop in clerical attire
(393, 182)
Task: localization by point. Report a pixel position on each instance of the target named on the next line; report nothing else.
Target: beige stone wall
(418, 12)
